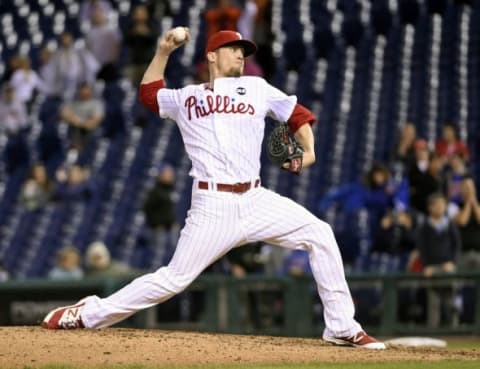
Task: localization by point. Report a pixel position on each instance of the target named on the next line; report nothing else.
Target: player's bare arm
(304, 136)
(166, 45)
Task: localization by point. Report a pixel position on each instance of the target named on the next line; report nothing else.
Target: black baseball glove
(283, 148)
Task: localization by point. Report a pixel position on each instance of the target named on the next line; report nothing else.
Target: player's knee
(321, 228)
(321, 233)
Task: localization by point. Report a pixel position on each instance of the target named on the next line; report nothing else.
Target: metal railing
(257, 305)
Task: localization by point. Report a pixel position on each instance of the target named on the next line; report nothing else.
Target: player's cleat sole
(361, 340)
(65, 317)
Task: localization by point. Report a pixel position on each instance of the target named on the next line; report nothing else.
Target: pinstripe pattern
(225, 148)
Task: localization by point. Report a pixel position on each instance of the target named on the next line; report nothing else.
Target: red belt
(235, 188)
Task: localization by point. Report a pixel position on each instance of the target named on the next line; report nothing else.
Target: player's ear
(211, 56)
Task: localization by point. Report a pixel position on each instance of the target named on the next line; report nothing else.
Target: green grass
(463, 345)
(446, 364)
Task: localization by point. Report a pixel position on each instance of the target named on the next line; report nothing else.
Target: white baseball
(179, 34)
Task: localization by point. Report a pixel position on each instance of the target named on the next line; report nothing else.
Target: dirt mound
(34, 347)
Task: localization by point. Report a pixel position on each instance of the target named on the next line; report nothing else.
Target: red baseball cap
(224, 38)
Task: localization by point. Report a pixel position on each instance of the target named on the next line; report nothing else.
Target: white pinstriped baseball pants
(219, 221)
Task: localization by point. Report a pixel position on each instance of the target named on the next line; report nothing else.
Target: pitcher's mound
(33, 347)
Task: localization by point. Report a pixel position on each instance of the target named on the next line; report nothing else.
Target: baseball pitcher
(222, 124)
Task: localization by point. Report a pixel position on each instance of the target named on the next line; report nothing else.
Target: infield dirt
(34, 347)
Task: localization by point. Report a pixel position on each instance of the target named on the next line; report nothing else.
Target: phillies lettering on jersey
(223, 129)
(217, 104)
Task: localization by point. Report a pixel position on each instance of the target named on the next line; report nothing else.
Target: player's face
(230, 61)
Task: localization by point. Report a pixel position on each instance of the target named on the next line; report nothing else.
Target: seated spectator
(13, 122)
(88, 8)
(405, 147)
(103, 41)
(395, 236)
(100, 264)
(466, 215)
(439, 244)
(13, 64)
(450, 144)
(45, 71)
(74, 184)
(26, 81)
(159, 207)
(141, 41)
(67, 265)
(83, 115)
(425, 176)
(377, 193)
(159, 210)
(246, 260)
(457, 173)
(13, 113)
(37, 189)
(69, 67)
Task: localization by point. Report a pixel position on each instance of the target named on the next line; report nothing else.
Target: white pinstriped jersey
(223, 129)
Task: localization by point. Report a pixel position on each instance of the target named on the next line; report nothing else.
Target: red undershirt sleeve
(147, 94)
(300, 116)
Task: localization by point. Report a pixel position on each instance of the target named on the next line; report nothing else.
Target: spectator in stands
(159, 9)
(425, 176)
(26, 81)
(264, 38)
(439, 244)
(450, 143)
(12, 65)
(246, 260)
(74, 184)
(67, 265)
(69, 67)
(377, 193)
(83, 115)
(159, 207)
(13, 113)
(13, 123)
(457, 173)
(88, 8)
(141, 41)
(159, 210)
(37, 189)
(45, 72)
(395, 237)
(100, 264)
(223, 15)
(405, 148)
(246, 27)
(466, 215)
(104, 43)
(4, 274)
